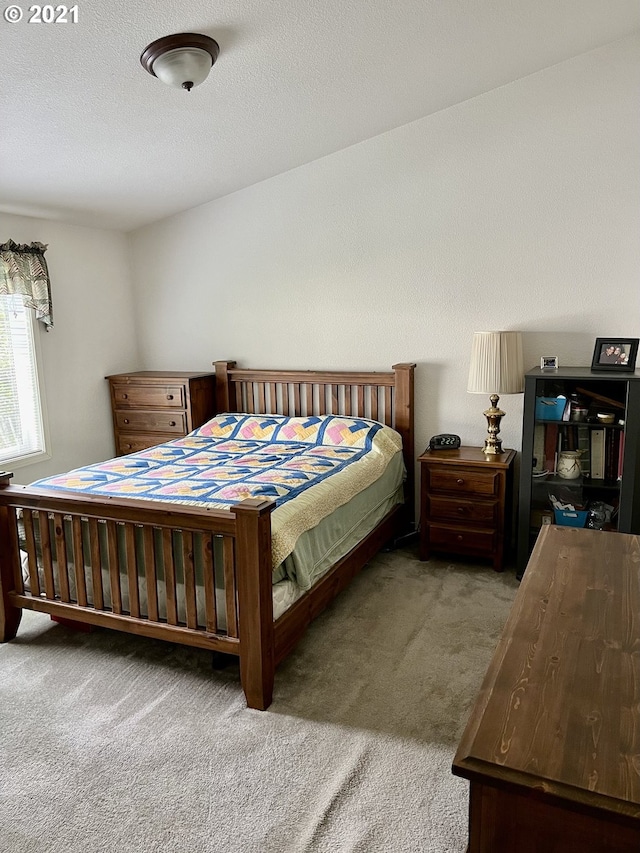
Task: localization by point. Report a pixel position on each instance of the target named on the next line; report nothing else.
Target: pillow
(315, 430)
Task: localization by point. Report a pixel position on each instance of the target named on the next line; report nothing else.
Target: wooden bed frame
(134, 530)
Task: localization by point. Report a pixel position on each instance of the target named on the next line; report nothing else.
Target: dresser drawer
(173, 423)
(148, 396)
(468, 481)
(481, 542)
(126, 443)
(460, 510)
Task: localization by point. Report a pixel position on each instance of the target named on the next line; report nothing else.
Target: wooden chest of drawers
(150, 407)
(465, 503)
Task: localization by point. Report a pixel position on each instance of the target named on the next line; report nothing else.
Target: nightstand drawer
(458, 510)
(167, 422)
(468, 481)
(459, 540)
(132, 443)
(148, 396)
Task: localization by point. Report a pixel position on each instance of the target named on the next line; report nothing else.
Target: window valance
(23, 270)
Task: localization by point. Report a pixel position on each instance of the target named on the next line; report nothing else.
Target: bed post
(405, 426)
(10, 616)
(223, 396)
(255, 600)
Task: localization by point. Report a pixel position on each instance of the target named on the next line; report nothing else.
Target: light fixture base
(493, 444)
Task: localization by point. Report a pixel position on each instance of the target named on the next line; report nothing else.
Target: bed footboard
(153, 571)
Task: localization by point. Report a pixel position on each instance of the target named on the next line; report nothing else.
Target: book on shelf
(621, 455)
(612, 447)
(551, 438)
(570, 437)
(584, 446)
(538, 449)
(597, 453)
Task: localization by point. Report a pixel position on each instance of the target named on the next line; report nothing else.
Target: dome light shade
(183, 65)
(182, 60)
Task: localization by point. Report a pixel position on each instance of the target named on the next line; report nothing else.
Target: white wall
(93, 335)
(515, 210)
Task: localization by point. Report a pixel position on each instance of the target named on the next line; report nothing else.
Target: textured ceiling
(88, 137)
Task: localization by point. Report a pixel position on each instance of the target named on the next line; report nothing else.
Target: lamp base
(493, 444)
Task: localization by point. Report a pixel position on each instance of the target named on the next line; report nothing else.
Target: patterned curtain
(23, 270)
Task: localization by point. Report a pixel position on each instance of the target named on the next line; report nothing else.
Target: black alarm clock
(444, 441)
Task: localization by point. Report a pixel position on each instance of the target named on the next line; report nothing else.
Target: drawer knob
(459, 537)
(169, 396)
(460, 481)
(461, 510)
(172, 423)
(125, 396)
(126, 420)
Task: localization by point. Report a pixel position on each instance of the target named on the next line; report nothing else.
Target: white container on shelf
(569, 464)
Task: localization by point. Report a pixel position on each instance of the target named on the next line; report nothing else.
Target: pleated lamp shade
(496, 368)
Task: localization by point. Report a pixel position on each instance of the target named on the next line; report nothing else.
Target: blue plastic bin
(571, 517)
(550, 408)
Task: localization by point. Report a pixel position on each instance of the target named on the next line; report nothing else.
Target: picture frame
(549, 362)
(615, 354)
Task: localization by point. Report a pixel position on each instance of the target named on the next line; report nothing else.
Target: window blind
(21, 423)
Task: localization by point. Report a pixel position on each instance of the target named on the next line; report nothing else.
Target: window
(22, 435)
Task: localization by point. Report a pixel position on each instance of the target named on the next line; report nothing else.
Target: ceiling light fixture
(182, 60)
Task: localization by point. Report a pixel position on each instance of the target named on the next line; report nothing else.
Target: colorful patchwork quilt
(307, 465)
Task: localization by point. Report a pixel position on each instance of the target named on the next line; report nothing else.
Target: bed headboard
(384, 397)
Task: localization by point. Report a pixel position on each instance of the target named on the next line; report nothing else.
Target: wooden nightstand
(465, 503)
(150, 407)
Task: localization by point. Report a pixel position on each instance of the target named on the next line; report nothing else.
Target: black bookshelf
(598, 393)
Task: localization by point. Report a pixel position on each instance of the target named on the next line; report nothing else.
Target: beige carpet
(115, 743)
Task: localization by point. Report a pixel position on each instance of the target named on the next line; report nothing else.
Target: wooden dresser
(552, 747)
(150, 407)
(465, 503)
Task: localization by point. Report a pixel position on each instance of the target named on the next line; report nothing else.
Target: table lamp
(496, 368)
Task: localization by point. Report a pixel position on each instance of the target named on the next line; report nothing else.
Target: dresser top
(160, 375)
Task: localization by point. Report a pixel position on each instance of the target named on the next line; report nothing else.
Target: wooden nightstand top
(467, 456)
